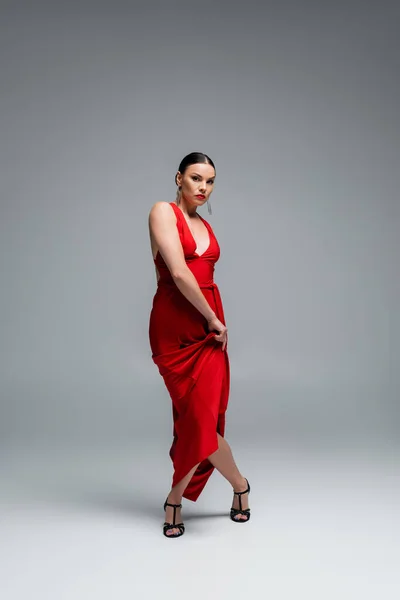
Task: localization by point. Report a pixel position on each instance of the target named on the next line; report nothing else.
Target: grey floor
(85, 523)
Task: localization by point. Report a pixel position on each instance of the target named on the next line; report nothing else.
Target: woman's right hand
(214, 324)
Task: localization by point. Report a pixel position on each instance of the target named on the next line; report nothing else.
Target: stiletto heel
(240, 511)
(173, 525)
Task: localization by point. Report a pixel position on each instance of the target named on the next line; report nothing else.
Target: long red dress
(192, 363)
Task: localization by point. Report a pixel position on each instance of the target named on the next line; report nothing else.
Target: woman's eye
(196, 179)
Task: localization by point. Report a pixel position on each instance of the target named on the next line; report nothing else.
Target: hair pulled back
(192, 159)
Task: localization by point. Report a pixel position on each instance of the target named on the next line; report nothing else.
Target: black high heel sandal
(240, 511)
(167, 526)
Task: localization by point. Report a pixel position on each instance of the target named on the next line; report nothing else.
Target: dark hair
(192, 159)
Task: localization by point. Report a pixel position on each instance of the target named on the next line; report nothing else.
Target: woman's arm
(162, 224)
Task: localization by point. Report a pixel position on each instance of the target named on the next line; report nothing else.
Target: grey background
(297, 104)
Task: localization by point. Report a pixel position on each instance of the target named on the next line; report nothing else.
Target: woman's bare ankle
(240, 485)
(174, 498)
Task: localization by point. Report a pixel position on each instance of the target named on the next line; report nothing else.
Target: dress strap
(180, 216)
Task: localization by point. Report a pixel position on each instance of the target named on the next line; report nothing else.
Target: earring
(178, 194)
(209, 207)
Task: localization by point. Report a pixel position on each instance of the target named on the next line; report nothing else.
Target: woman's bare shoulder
(161, 214)
(161, 208)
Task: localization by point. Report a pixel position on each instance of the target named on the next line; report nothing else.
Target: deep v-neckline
(191, 234)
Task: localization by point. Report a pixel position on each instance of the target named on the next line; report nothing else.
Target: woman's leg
(224, 462)
(175, 497)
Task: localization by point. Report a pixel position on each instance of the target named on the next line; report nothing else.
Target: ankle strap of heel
(245, 491)
(173, 505)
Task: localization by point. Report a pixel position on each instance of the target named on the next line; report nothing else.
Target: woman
(188, 339)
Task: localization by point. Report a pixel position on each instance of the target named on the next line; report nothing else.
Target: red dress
(192, 363)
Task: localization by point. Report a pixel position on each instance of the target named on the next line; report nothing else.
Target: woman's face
(197, 180)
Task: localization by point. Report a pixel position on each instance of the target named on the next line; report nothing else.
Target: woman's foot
(241, 501)
(169, 517)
